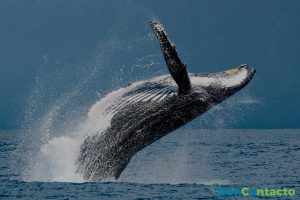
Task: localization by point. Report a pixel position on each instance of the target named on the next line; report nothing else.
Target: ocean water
(186, 164)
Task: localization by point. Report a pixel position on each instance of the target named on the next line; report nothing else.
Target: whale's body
(148, 110)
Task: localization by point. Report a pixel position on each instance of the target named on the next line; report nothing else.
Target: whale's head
(222, 84)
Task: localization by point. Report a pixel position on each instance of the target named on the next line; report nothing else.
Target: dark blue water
(182, 165)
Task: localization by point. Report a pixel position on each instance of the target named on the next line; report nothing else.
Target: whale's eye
(232, 71)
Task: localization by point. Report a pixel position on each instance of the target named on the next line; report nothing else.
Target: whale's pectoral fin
(176, 68)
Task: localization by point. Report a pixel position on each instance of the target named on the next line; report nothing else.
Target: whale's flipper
(176, 67)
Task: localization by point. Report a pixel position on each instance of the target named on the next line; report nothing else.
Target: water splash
(57, 157)
(64, 106)
(55, 161)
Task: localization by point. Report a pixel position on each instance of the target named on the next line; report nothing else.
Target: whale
(145, 111)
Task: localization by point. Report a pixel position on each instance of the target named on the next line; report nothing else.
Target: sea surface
(186, 164)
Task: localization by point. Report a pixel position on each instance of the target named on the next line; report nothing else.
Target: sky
(65, 55)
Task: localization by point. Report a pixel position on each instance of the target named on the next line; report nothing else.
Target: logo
(220, 191)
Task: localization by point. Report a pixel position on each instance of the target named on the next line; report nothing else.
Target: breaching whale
(145, 111)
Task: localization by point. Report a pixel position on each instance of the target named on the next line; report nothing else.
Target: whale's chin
(242, 77)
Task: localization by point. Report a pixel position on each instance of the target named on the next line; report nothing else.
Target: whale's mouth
(239, 77)
(232, 78)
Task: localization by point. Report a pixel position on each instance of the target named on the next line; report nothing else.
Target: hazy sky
(69, 53)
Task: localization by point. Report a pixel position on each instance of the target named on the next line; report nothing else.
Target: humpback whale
(145, 111)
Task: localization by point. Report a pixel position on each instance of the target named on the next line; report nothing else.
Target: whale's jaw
(233, 78)
(221, 85)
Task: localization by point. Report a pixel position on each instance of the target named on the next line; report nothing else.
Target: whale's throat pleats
(176, 68)
(149, 93)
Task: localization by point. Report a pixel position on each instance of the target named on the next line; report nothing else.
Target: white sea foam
(56, 160)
